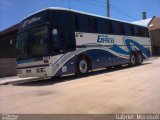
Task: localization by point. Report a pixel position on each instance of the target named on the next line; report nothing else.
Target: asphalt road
(125, 90)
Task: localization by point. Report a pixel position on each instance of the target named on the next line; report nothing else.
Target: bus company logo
(29, 21)
(104, 39)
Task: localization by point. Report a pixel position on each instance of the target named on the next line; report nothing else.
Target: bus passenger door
(68, 40)
(63, 41)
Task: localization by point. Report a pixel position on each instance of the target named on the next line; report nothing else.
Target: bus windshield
(32, 43)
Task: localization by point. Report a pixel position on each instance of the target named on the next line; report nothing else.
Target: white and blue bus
(59, 41)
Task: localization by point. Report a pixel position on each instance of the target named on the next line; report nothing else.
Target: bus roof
(85, 13)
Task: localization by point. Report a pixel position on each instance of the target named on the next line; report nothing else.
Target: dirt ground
(125, 90)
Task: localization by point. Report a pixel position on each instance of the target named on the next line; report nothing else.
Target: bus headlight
(41, 70)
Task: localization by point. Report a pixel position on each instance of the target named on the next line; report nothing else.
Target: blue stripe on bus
(140, 47)
(94, 54)
(117, 49)
(128, 43)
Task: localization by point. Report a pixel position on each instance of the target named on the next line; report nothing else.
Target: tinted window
(143, 32)
(101, 26)
(83, 23)
(33, 43)
(92, 24)
(63, 41)
(108, 26)
(136, 31)
(121, 28)
(38, 42)
(67, 39)
(75, 21)
(146, 32)
(128, 29)
(115, 27)
(63, 20)
(22, 45)
(57, 43)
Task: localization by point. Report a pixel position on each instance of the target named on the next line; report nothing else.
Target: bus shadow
(56, 80)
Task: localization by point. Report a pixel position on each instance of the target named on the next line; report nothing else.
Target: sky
(13, 11)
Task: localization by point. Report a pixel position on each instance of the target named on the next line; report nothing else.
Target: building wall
(8, 45)
(7, 67)
(8, 54)
(154, 29)
(155, 41)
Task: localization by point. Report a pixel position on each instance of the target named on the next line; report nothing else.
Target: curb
(23, 80)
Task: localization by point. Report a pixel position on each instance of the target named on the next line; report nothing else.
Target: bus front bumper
(41, 72)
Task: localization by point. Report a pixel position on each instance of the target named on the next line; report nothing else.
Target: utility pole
(69, 4)
(108, 8)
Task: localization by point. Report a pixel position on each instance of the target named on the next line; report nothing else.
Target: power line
(121, 11)
(92, 3)
(150, 6)
(104, 5)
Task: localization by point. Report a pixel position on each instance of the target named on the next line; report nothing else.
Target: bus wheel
(139, 59)
(82, 66)
(132, 60)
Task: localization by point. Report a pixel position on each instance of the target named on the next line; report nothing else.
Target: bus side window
(82, 22)
(92, 22)
(121, 28)
(75, 22)
(118, 28)
(136, 31)
(146, 32)
(143, 32)
(115, 27)
(108, 25)
(128, 30)
(101, 26)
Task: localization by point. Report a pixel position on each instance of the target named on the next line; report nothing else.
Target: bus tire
(82, 66)
(132, 59)
(139, 59)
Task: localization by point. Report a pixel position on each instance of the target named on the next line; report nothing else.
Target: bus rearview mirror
(54, 32)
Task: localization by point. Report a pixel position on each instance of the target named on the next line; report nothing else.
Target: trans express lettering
(104, 39)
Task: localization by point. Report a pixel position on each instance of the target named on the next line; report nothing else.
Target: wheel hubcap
(83, 66)
(132, 59)
(139, 58)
